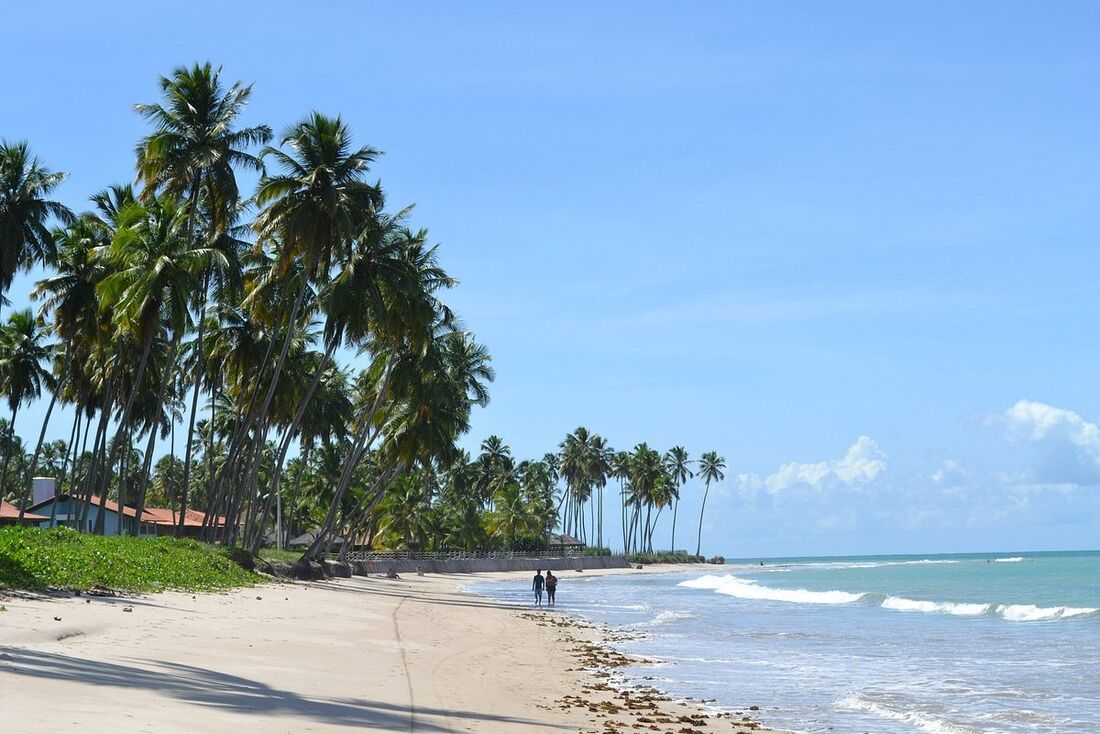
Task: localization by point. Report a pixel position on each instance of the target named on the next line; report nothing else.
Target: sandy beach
(410, 655)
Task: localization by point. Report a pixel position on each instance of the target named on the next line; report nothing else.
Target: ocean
(947, 644)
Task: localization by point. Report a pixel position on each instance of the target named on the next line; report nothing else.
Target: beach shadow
(232, 693)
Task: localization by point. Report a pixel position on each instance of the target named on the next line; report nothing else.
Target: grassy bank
(34, 559)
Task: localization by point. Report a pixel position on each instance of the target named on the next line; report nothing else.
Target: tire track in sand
(405, 664)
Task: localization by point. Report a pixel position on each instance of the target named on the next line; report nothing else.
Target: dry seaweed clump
(617, 709)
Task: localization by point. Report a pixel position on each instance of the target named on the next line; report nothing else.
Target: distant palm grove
(287, 353)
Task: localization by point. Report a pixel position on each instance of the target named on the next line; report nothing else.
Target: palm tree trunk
(354, 457)
(299, 298)
(699, 538)
(200, 371)
(8, 449)
(146, 466)
(74, 439)
(675, 507)
(37, 449)
(297, 487)
(124, 425)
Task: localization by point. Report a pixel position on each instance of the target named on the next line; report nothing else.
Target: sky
(850, 246)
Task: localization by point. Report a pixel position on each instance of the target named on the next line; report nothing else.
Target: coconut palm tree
(647, 477)
(710, 469)
(23, 356)
(192, 153)
(25, 211)
(313, 208)
(576, 465)
(599, 470)
(514, 514)
(620, 469)
(157, 271)
(677, 464)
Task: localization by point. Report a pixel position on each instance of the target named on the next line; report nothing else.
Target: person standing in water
(551, 586)
(536, 586)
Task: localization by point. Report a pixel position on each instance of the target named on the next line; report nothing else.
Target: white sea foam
(902, 604)
(665, 618)
(748, 589)
(706, 582)
(745, 589)
(884, 564)
(1032, 613)
(1014, 559)
(920, 721)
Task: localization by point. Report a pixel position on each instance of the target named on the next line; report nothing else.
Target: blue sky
(838, 243)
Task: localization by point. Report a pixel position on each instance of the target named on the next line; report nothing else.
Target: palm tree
(710, 469)
(192, 152)
(514, 514)
(22, 374)
(576, 456)
(157, 272)
(648, 477)
(620, 469)
(314, 208)
(598, 470)
(25, 210)
(677, 463)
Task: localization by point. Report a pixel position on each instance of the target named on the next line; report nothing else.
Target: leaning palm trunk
(702, 508)
(359, 448)
(143, 485)
(124, 424)
(147, 464)
(74, 439)
(254, 416)
(8, 449)
(99, 448)
(37, 450)
(299, 414)
(360, 516)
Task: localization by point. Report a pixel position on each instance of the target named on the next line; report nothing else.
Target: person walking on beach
(551, 586)
(536, 586)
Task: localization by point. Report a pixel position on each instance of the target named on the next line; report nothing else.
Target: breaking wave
(748, 589)
(922, 722)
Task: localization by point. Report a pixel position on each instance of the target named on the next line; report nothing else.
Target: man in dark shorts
(536, 586)
(551, 587)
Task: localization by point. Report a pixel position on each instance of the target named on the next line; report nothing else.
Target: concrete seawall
(486, 565)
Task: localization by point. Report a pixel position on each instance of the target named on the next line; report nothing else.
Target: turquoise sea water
(958, 644)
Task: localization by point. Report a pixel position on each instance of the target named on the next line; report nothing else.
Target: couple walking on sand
(550, 583)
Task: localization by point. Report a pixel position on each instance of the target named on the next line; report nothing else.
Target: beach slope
(408, 655)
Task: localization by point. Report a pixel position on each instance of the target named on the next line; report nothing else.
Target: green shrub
(665, 558)
(31, 558)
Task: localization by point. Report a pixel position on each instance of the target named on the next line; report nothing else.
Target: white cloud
(951, 473)
(1036, 421)
(863, 462)
(1070, 444)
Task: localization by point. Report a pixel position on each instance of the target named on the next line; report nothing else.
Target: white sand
(408, 655)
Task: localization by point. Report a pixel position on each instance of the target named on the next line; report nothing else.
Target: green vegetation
(665, 558)
(34, 559)
(274, 554)
(183, 319)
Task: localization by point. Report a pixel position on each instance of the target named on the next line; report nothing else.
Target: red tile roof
(95, 501)
(168, 516)
(10, 511)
